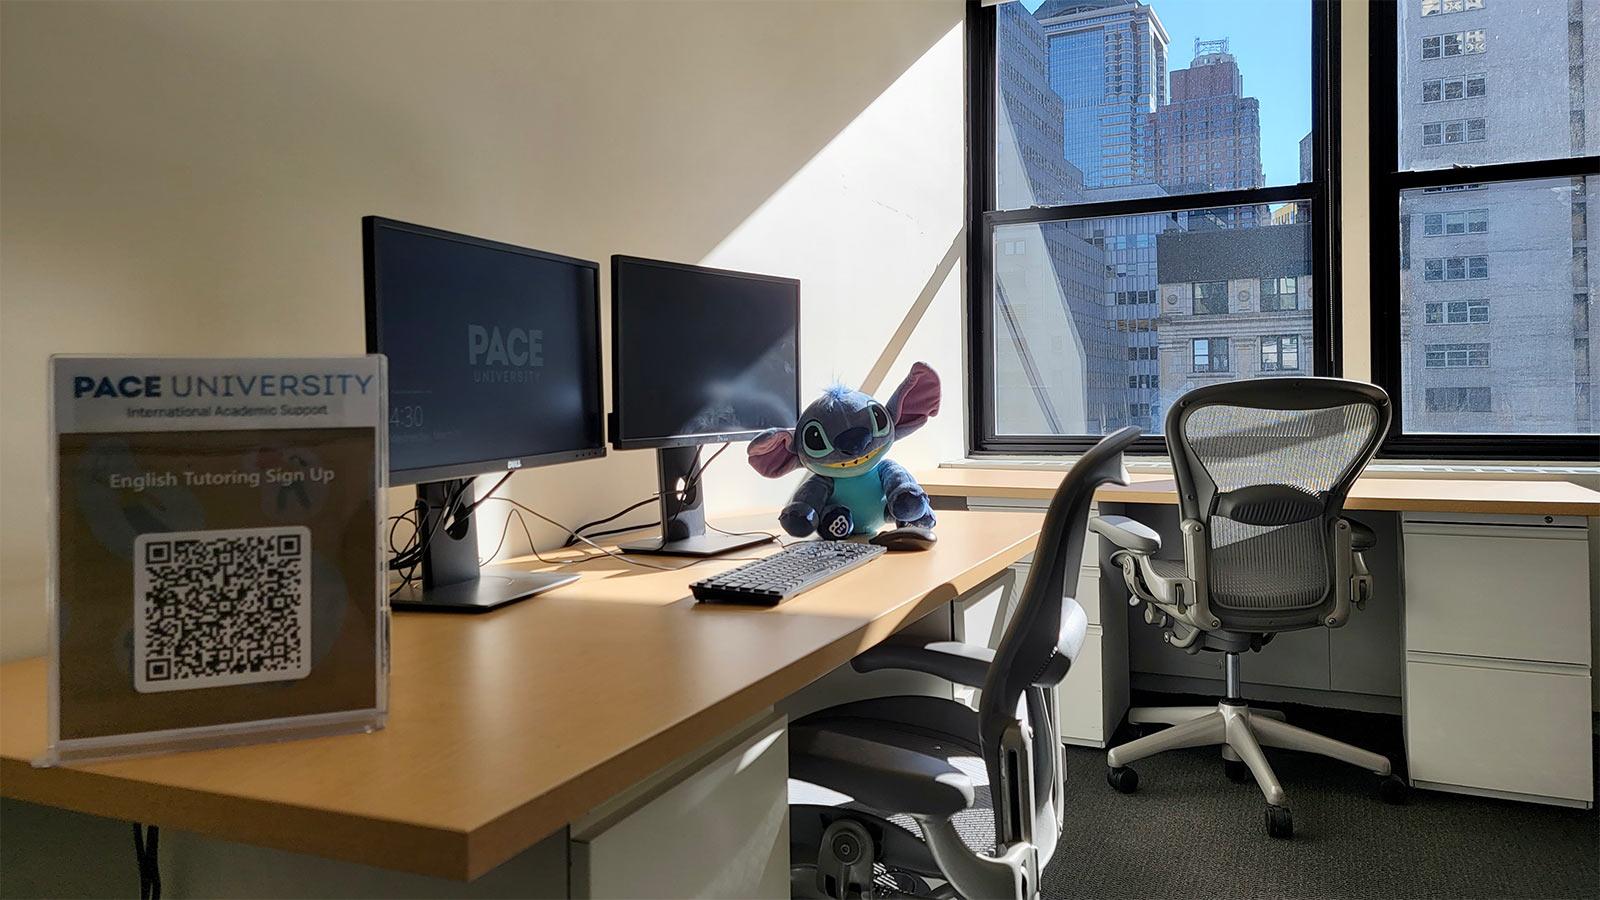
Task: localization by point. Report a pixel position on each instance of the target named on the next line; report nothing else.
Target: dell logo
(521, 347)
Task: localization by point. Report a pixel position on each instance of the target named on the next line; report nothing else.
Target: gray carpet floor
(1190, 832)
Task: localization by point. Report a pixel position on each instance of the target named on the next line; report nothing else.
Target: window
(1456, 312)
(1457, 399)
(1455, 268)
(1441, 7)
(1211, 298)
(1162, 208)
(1435, 90)
(1279, 294)
(1457, 356)
(1460, 43)
(1472, 221)
(1209, 354)
(1280, 353)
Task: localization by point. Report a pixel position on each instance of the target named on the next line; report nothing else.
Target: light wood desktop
(1432, 495)
(506, 726)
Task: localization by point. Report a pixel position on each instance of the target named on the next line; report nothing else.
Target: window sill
(1585, 474)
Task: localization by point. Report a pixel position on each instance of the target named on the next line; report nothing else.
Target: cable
(612, 518)
(146, 853)
(611, 553)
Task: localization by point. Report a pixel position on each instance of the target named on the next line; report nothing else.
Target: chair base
(1241, 732)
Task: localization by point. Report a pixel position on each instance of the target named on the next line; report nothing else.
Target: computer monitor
(698, 356)
(494, 366)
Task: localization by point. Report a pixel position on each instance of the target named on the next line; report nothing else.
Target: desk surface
(1439, 495)
(503, 727)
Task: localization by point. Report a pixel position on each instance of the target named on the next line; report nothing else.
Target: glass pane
(1495, 325)
(1102, 101)
(1100, 323)
(1495, 81)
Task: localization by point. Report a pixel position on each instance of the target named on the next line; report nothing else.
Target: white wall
(188, 178)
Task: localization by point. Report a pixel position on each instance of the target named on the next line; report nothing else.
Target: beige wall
(188, 178)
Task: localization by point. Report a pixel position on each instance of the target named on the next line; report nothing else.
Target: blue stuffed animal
(843, 439)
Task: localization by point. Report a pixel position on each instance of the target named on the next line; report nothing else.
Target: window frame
(1387, 185)
(1325, 354)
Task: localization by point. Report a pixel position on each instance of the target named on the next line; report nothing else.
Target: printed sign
(217, 572)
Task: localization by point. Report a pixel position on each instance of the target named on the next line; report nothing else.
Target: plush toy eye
(880, 420)
(815, 440)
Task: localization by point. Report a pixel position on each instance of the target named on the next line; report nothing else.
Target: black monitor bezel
(619, 438)
(509, 463)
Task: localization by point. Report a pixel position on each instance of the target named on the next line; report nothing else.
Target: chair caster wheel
(1393, 789)
(1237, 771)
(1280, 824)
(1123, 779)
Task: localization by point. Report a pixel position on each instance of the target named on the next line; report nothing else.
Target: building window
(1457, 399)
(1279, 294)
(1280, 353)
(1457, 312)
(1457, 356)
(1153, 200)
(1442, 7)
(1461, 87)
(1209, 354)
(1211, 298)
(1455, 268)
(1472, 221)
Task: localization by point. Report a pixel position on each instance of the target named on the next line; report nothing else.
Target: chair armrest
(1361, 537)
(1126, 533)
(964, 664)
(885, 777)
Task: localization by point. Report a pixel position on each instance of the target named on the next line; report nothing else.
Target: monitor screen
(701, 355)
(494, 352)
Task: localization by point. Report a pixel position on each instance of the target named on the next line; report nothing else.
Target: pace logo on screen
(504, 354)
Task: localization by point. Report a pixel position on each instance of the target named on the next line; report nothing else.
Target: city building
(1108, 62)
(1208, 134)
(1056, 351)
(1495, 278)
(1234, 304)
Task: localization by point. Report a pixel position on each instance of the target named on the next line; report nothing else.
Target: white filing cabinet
(1094, 695)
(1498, 655)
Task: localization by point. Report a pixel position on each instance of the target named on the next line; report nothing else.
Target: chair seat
(931, 726)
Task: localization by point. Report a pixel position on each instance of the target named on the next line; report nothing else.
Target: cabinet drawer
(1080, 695)
(1498, 591)
(1499, 729)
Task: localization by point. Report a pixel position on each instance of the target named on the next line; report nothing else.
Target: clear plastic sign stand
(216, 565)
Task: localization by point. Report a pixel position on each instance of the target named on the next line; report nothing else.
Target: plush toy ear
(772, 453)
(915, 401)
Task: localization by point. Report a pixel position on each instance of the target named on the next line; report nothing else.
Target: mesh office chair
(899, 790)
(1263, 468)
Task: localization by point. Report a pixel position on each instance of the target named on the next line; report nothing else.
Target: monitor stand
(683, 518)
(451, 579)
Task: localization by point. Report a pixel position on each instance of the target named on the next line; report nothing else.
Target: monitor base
(708, 544)
(493, 588)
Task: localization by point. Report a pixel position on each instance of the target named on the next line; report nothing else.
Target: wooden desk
(506, 726)
(1485, 598)
(1484, 496)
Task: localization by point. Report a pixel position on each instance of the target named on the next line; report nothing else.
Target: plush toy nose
(853, 440)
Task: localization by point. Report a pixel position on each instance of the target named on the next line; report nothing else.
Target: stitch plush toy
(842, 439)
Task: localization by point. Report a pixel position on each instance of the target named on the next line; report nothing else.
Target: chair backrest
(1043, 637)
(1265, 466)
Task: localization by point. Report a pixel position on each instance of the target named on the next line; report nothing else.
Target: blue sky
(1272, 41)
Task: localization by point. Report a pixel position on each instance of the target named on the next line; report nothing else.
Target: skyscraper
(1108, 63)
(1208, 136)
(1051, 325)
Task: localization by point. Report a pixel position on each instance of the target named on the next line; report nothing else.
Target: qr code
(218, 608)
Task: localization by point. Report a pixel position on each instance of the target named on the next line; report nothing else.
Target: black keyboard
(795, 568)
